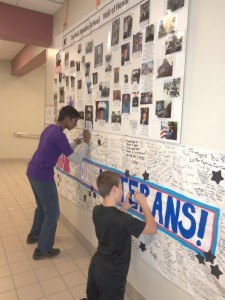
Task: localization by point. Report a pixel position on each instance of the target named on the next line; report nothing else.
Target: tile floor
(63, 277)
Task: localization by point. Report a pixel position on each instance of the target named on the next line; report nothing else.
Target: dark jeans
(102, 286)
(46, 214)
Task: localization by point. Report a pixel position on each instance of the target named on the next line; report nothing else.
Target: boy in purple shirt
(40, 172)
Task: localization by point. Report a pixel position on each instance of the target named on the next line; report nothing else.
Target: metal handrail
(26, 135)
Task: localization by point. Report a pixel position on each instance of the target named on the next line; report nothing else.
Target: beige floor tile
(74, 279)
(79, 292)
(3, 260)
(54, 285)
(14, 247)
(20, 267)
(8, 232)
(65, 295)
(25, 279)
(83, 262)
(62, 257)
(47, 273)
(10, 239)
(6, 284)
(30, 292)
(4, 271)
(66, 267)
(37, 264)
(16, 256)
(11, 295)
(85, 271)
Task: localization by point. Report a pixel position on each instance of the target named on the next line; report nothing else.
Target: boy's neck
(108, 201)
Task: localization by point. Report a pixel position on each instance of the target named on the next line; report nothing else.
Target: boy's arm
(126, 204)
(150, 227)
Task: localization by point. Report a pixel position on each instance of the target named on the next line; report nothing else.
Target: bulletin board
(122, 67)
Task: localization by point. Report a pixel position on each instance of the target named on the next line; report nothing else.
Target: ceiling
(8, 50)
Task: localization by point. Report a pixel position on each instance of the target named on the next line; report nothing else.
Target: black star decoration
(89, 193)
(145, 176)
(94, 195)
(127, 174)
(99, 142)
(142, 247)
(209, 256)
(217, 177)
(92, 188)
(200, 258)
(216, 271)
(85, 198)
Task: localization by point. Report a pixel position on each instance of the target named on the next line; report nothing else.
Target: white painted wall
(22, 102)
(203, 116)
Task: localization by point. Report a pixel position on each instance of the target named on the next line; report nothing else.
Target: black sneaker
(39, 255)
(31, 239)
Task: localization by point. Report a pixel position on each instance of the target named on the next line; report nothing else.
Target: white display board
(122, 67)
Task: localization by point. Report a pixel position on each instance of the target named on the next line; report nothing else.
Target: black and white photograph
(67, 82)
(127, 26)
(150, 33)
(126, 78)
(135, 99)
(108, 63)
(172, 87)
(173, 5)
(147, 68)
(72, 64)
(79, 48)
(89, 47)
(126, 103)
(66, 59)
(146, 98)
(89, 89)
(88, 116)
(81, 115)
(116, 77)
(78, 66)
(104, 87)
(61, 95)
(79, 84)
(60, 77)
(116, 95)
(99, 55)
(137, 42)
(116, 117)
(125, 53)
(163, 109)
(167, 25)
(115, 32)
(165, 67)
(144, 11)
(58, 59)
(102, 111)
(135, 77)
(174, 43)
(95, 78)
(72, 82)
(144, 116)
(87, 69)
(169, 130)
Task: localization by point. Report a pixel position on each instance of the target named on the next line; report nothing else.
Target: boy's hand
(126, 204)
(140, 199)
(87, 136)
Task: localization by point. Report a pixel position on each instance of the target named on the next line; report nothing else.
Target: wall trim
(131, 292)
(13, 159)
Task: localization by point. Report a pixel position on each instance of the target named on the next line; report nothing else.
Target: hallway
(63, 277)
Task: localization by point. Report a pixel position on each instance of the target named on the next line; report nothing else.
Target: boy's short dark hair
(105, 181)
(68, 111)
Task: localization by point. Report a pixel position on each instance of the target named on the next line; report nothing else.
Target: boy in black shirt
(114, 228)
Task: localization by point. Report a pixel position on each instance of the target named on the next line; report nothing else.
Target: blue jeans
(46, 214)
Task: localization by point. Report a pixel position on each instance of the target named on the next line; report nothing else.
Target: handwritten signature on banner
(190, 222)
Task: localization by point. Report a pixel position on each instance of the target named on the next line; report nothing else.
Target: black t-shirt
(113, 230)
